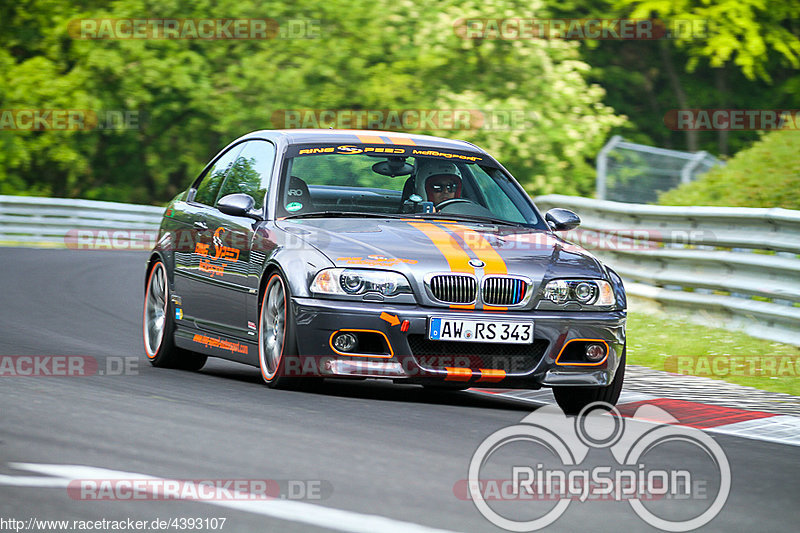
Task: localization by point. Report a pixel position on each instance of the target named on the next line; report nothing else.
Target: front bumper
(411, 357)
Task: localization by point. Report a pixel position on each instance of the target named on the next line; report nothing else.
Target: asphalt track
(378, 449)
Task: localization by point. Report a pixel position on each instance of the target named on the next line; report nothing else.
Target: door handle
(200, 225)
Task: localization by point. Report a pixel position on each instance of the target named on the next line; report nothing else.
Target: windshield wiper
(341, 214)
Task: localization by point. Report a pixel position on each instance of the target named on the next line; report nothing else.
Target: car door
(194, 240)
(227, 264)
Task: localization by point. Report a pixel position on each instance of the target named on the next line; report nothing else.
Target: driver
(441, 181)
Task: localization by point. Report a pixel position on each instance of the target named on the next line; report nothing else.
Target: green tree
(193, 97)
(741, 55)
(749, 33)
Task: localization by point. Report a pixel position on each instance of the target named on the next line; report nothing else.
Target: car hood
(418, 247)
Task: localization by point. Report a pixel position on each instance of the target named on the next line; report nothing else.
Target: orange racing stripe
(482, 249)
(457, 258)
(371, 139)
(405, 141)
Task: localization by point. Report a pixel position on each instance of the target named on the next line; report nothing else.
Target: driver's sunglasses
(449, 187)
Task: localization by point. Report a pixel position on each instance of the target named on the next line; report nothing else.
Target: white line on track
(31, 481)
(294, 511)
(782, 429)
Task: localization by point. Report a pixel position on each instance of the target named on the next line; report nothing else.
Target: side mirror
(238, 205)
(562, 219)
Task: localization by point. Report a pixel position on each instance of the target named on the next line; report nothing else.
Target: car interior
(299, 197)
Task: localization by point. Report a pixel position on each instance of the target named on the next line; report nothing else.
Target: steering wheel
(453, 201)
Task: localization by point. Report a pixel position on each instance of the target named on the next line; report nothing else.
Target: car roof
(326, 136)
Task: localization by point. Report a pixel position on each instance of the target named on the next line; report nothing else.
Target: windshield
(354, 183)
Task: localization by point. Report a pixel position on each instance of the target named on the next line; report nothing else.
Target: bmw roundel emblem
(476, 263)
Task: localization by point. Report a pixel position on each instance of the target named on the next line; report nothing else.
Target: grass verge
(661, 342)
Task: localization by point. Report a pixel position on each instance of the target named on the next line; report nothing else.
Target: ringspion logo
(640, 469)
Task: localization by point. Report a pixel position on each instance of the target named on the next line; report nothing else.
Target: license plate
(448, 329)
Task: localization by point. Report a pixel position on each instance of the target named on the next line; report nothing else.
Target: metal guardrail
(732, 267)
(737, 267)
(67, 223)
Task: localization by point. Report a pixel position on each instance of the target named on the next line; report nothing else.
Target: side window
(211, 182)
(251, 172)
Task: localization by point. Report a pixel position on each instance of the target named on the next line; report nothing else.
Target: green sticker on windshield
(294, 206)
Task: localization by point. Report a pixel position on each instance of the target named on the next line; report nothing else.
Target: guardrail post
(602, 165)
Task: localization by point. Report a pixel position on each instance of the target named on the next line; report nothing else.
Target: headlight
(354, 282)
(587, 292)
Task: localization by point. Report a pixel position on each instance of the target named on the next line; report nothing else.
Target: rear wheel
(573, 399)
(158, 326)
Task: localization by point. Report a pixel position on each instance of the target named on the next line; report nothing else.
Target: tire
(277, 337)
(573, 399)
(158, 326)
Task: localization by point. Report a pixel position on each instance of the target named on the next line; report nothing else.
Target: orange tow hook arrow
(391, 319)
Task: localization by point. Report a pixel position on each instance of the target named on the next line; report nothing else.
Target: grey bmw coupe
(368, 254)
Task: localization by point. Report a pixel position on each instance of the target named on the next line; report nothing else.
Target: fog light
(345, 342)
(595, 352)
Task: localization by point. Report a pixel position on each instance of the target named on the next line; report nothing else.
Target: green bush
(765, 175)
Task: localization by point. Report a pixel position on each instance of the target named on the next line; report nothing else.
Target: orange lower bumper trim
(491, 375)
(458, 374)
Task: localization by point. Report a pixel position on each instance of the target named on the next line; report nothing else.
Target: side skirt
(215, 345)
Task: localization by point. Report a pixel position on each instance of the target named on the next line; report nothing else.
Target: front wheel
(573, 399)
(158, 326)
(276, 338)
